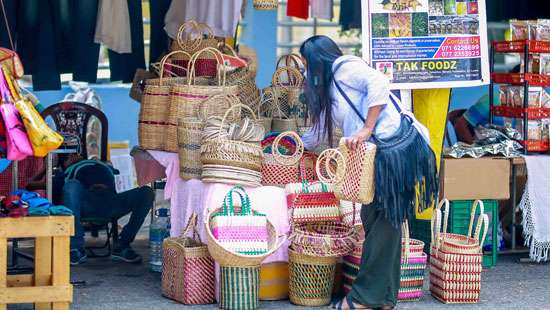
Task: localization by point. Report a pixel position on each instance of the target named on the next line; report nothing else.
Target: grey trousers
(377, 282)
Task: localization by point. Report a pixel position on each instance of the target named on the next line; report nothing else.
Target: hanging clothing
(220, 15)
(113, 26)
(159, 39)
(10, 9)
(350, 14)
(55, 37)
(124, 66)
(322, 9)
(298, 8)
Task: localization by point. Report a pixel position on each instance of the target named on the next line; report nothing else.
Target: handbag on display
(312, 203)
(187, 268)
(244, 232)
(10, 60)
(279, 169)
(353, 179)
(17, 141)
(43, 139)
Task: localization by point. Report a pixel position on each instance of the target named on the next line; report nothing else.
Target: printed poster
(427, 43)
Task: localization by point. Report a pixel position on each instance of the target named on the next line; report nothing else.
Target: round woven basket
(226, 152)
(266, 4)
(311, 279)
(228, 258)
(323, 239)
(192, 37)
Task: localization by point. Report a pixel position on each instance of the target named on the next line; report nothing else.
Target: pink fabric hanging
(298, 8)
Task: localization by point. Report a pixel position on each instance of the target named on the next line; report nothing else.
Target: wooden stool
(49, 286)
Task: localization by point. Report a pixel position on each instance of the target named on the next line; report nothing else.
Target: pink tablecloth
(194, 195)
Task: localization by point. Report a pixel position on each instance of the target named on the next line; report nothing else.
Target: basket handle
(221, 74)
(224, 119)
(406, 236)
(290, 59)
(302, 165)
(328, 155)
(287, 159)
(473, 215)
(197, 28)
(485, 222)
(295, 78)
(436, 222)
(228, 207)
(192, 226)
(156, 68)
(265, 100)
(163, 63)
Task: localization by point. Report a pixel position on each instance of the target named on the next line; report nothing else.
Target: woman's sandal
(339, 305)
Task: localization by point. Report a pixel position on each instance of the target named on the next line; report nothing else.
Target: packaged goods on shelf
(503, 95)
(534, 129)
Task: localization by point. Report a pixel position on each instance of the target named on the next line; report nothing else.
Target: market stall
(251, 213)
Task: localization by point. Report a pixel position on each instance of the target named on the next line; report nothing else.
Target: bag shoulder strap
(348, 100)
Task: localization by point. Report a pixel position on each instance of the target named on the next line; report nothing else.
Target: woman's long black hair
(320, 52)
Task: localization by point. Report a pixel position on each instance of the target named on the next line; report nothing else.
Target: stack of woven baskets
(318, 239)
(231, 151)
(230, 246)
(413, 265)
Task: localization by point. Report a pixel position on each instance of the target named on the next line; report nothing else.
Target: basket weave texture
(354, 177)
(456, 260)
(188, 268)
(239, 288)
(265, 4)
(311, 279)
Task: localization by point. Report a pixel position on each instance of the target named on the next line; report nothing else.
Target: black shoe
(78, 256)
(126, 254)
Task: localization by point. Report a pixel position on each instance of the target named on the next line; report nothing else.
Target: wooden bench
(49, 287)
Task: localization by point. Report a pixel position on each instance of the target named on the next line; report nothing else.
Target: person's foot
(78, 256)
(346, 303)
(127, 255)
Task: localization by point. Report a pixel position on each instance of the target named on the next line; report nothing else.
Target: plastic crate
(421, 230)
(459, 220)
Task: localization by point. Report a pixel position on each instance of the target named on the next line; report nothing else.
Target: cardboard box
(481, 178)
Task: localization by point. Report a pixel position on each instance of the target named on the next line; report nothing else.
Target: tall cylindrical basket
(311, 279)
(239, 288)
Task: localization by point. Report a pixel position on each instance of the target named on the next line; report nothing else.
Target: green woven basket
(239, 288)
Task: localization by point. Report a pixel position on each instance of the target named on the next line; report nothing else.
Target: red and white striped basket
(456, 260)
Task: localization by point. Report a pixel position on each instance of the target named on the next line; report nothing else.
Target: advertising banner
(427, 43)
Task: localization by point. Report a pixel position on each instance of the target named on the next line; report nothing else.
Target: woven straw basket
(157, 127)
(188, 268)
(354, 177)
(266, 4)
(239, 288)
(264, 113)
(311, 279)
(189, 147)
(228, 258)
(193, 37)
(456, 260)
(324, 239)
(226, 152)
(187, 98)
(413, 264)
(279, 169)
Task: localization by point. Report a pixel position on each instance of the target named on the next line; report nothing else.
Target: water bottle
(157, 232)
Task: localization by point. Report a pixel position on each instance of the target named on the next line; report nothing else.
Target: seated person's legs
(137, 202)
(73, 194)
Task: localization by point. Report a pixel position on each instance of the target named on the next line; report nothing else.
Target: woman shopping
(345, 92)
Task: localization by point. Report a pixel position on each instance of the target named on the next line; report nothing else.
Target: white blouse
(366, 88)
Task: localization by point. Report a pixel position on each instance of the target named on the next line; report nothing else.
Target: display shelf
(542, 80)
(519, 112)
(533, 46)
(536, 145)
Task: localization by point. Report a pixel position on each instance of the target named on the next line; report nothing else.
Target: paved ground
(110, 285)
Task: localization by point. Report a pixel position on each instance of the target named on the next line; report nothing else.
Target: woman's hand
(357, 139)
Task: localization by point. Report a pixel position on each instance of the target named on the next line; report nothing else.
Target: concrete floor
(102, 284)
